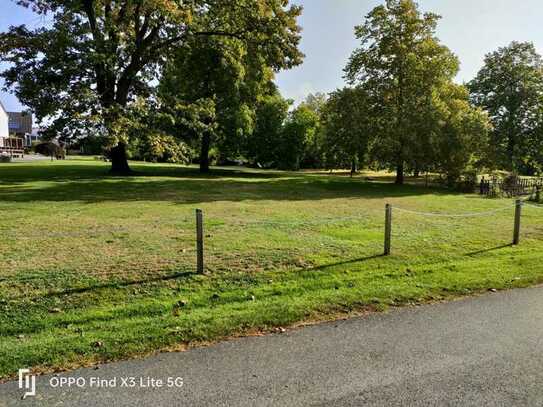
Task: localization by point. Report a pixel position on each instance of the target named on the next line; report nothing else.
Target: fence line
(299, 223)
(533, 205)
(512, 187)
(518, 204)
(460, 215)
(361, 217)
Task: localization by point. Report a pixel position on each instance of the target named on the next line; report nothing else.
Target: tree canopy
(348, 125)
(459, 138)
(270, 116)
(231, 77)
(182, 81)
(510, 88)
(399, 63)
(84, 70)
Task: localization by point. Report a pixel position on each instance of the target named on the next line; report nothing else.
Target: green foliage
(316, 102)
(96, 58)
(90, 145)
(510, 88)
(314, 154)
(232, 74)
(460, 136)
(49, 149)
(298, 138)
(264, 143)
(159, 135)
(211, 72)
(160, 147)
(399, 64)
(283, 139)
(348, 126)
(404, 112)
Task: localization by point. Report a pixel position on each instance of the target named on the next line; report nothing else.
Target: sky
(470, 28)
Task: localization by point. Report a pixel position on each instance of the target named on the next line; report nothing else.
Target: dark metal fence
(511, 187)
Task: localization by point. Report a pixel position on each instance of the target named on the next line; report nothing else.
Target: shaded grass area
(96, 268)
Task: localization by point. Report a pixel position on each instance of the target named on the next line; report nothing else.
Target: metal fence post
(388, 228)
(518, 213)
(199, 241)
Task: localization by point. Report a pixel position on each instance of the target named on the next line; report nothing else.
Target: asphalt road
(478, 351)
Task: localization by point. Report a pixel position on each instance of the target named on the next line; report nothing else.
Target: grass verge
(96, 268)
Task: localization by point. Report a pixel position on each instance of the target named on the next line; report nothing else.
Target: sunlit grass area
(96, 268)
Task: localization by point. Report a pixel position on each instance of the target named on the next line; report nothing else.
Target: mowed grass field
(96, 268)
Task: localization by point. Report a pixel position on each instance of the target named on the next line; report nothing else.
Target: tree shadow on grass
(38, 325)
(492, 249)
(116, 284)
(186, 185)
(175, 276)
(88, 171)
(346, 262)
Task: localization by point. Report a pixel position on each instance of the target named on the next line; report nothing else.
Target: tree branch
(239, 35)
(99, 68)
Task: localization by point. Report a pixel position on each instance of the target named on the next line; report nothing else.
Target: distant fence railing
(510, 187)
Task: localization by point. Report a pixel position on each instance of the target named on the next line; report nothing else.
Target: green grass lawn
(96, 268)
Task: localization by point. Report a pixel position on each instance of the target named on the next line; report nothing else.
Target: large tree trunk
(400, 174)
(353, 167)
(119, 162)
(204, 153)
(511, 153)
(416, 171)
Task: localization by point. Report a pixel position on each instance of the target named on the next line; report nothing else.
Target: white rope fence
(517, 206)
(455, 215)
(533, 205)
(516, 228)
(322, 221)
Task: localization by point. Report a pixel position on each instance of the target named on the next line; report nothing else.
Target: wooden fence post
(199, 241)
(388, 228)
(518, 213)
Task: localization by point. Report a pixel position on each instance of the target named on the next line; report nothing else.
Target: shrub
(161, 147)
(468, 182)
(49, 149)
(510, 181)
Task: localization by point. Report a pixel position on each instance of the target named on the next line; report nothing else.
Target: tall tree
(510, 88)
(398, 63)
(232, 77)
(298, 138)
(315, 102)
(264, 142)
(459, 136)
(348, 123)
(314, 154)
(99, 55)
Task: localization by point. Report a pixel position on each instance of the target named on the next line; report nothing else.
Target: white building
(32, 137)
(4, 128)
